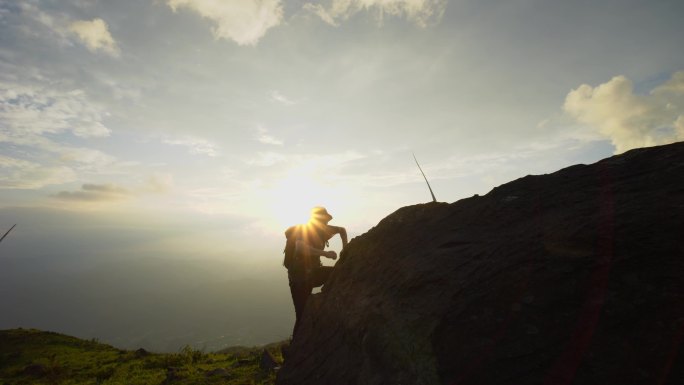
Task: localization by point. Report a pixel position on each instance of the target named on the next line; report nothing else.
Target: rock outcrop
(572, 277)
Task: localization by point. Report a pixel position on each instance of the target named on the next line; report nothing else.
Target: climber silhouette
(303, 251)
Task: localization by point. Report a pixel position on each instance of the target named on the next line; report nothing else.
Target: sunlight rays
(291, 198)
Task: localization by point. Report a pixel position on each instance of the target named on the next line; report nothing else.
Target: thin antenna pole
(8, 231)
(426, 181)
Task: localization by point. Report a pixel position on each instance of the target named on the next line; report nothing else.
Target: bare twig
(8, 231)
(426, 181)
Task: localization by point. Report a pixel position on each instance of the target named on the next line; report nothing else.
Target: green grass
(29, 356)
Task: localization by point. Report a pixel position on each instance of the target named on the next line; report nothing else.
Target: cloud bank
(58, 27)
(95, 35)
(244, 22)
(420, 12)
(32, 119)
(23, 174)
(40, 110)
(95, 193)
(155, 184)
(631, 120)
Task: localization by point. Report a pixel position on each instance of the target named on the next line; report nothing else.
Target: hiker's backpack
(291, 260)
(292, 233)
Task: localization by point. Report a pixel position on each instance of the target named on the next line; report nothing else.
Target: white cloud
(630, 120)
(86, 159)
(39, 110)
(263, 136)
(195, 145)
(61, 29)
(679, 126)
(244, 22)
(30, 116)
(420, 12)
(673, 86)
(280, 98)
(22, 174)
(95, 35)
(39, 21)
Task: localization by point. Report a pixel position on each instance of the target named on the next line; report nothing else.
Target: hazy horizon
(149, 303)
(144, 140)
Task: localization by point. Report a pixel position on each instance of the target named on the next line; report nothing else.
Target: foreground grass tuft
(29, 356)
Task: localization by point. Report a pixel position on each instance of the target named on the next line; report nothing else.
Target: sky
(200, 129)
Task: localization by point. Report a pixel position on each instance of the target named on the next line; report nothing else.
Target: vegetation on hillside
(29, 356)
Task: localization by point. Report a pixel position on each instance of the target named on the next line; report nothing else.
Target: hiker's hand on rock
(332, 255)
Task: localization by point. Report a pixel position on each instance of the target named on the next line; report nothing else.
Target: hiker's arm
(308, 250)
(343, 235)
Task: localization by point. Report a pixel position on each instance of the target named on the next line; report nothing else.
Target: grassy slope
(35, 357)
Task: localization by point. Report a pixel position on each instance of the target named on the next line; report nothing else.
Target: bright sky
(203, 128)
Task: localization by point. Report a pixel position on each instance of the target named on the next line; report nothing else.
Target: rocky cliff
(572, 277)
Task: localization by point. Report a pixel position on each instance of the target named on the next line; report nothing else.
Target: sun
(292, 197)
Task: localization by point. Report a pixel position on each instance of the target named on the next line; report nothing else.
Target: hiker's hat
(321, 213)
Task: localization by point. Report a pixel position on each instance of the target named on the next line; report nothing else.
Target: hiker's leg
(320, 275)
(300, 293)
(296, 291)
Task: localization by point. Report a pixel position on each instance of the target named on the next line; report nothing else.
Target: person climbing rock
(303, 251)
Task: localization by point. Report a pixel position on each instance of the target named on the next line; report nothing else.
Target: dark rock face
(573, 277)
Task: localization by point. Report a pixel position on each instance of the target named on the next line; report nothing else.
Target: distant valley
(154, 303)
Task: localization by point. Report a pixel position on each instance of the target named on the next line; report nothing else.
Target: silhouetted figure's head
(320, 214)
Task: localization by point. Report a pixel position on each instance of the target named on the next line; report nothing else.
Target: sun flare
(292, 198)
